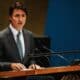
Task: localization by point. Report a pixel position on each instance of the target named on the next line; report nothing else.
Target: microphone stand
(51, 52)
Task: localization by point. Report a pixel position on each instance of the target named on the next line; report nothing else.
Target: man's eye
(16, 15)
(20, 15)
(23, 15)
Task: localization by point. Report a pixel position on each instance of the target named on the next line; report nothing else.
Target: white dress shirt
(15, 32)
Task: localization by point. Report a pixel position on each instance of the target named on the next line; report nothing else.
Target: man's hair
(17, 5)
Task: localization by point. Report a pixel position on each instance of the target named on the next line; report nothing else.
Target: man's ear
(9, 17)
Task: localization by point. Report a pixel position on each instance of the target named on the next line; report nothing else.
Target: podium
(50, 70)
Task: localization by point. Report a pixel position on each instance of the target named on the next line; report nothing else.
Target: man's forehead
(18, 11)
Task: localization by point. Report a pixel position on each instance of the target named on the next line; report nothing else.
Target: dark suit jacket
(9, 51)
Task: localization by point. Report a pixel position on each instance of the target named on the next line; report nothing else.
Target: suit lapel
(13, 44)
(27, 45)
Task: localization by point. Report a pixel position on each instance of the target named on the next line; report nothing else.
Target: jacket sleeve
(4, 65)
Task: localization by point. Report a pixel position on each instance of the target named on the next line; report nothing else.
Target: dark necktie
(19, 45)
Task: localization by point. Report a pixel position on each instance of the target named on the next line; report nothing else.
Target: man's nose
(20, 18)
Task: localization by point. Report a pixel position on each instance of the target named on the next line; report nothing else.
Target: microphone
(36, 52)
(50, 51)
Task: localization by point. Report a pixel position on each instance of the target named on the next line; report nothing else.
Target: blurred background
(57, 19)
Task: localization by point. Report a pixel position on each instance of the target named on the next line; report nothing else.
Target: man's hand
(17, 66)
(34, 66)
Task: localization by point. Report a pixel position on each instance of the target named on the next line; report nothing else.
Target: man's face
(18, 19)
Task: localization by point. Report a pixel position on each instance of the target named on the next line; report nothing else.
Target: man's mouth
(19, 23)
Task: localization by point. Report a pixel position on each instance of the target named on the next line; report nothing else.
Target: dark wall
(37, 12)
(63, 26)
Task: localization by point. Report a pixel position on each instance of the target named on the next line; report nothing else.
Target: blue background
(63, 27)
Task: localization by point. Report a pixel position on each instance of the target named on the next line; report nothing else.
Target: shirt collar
(14, 31)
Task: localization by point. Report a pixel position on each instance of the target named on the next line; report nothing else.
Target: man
(11, 58)
(16, 43)
(9, 52)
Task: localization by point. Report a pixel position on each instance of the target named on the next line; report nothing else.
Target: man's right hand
(17, 66)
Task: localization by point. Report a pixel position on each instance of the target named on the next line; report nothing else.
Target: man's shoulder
(4, 32)
(27, 31)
